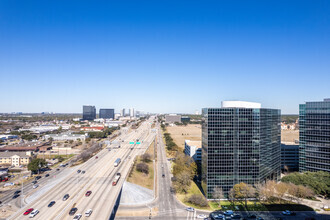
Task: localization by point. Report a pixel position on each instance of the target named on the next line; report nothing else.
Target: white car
(88, 212)
(35, 186)
(190, 209)
(34, 213)
(201, 216)
(77, 217)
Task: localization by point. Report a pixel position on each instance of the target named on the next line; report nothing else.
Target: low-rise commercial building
(290, 157)
(66, 137)
(92, 128)
(193, 149)
(172, 118)
(15, 159)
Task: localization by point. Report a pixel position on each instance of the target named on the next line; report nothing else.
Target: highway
(98, 179)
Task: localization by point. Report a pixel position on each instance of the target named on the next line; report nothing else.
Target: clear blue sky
(162, 56)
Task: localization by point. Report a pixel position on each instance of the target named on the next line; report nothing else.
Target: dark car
(57, 169)
(73, 211)
(47, 175)
(236, 216)
(15, 196)
(34, 182)
(65, 197)
(83, 172)
(17, 192)
(51, 204)
(37, 177)
(88, 193)
(252, 216)
(163, 175)
(78, 171)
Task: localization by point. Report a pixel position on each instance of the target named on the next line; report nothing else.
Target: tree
(198, 200)
(281, 188)
(182, 182)
(142, 167)
(218, 194)
(36, 164)
(231, 197)
(146, 157)
(243, 191)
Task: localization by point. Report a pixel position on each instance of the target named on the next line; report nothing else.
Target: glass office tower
(107, 113)
(314, 136)
(240, 143)
(89, 112)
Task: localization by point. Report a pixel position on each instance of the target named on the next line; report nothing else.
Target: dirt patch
(289, 135)
(179, 134)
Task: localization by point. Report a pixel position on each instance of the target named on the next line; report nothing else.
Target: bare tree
(217, 194)
(231, 196)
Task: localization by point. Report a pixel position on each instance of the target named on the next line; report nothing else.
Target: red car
(96, 157)
(28, 211)
(88, 193)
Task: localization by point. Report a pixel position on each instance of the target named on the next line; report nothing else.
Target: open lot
(179, 134)
(289, 135)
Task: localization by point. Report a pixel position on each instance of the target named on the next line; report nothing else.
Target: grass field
(142, 179)
(179, 134)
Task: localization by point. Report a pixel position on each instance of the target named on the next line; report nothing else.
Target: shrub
(146, 157)
(198, 200)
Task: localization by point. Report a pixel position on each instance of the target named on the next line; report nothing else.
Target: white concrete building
(193, 149)
(66, 137)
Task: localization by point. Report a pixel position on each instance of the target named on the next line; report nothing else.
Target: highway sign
(138, 142)
(131, 142)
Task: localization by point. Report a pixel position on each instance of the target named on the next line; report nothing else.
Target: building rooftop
(197, 144)
(240, 104)
(10, 154)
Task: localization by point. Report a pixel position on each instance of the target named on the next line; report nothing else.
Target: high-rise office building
(89, 112)
(241, 142)
(107, 113)
(122, 112)
(314, 136)
(131, 112)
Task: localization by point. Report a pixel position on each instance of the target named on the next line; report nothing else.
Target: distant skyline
(162, 56)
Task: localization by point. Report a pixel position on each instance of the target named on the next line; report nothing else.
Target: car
(236, 216)
(37, 177)
(260, 218)
(73, 211)
(34, 213)
(28, 211)
(34, 182)
(252, 216)
(78, 171)
(77, 217)
(51, 204)
(163, 175)
(47, 175)
(15, 196)
(228, 212)
(96, 157)
(88, 193)
(57, 169)
(17, 192)
(201, 216)
(88, 212)
(286, 212)
(35, 186)
(83, 172)
(190, 209)
(65, 197)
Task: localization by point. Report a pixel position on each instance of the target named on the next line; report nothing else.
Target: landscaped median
(142, 172)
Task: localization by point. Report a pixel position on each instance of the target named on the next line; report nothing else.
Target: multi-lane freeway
(97, 178)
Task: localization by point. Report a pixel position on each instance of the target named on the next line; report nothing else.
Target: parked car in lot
(77, 217)
(34, 213)
(88, 212)
(190, 209)
(28, 211)
(288, 212)
(73, 211)
(88, 193)
(228, 212)
(51, 204)
(65, 197)
(236, 216)
(253, 216)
